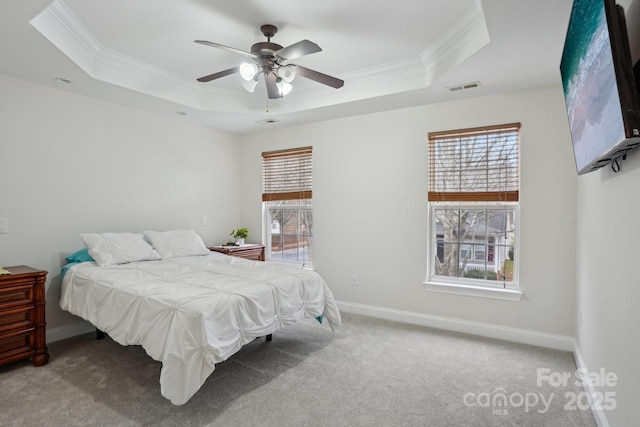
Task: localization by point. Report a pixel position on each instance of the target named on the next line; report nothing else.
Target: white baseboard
(68, 331)
(558, 342)
(598, 414)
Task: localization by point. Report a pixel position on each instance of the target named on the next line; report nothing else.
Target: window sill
(293, 264)
(473, 291)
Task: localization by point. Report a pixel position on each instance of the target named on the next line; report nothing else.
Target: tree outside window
(287, 194)
(473, 194)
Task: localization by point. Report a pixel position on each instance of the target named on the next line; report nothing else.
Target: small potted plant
(240, 234)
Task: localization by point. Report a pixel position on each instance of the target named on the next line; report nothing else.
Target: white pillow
(118, 248)
(175, 243)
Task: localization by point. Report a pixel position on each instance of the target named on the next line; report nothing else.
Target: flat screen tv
(599, 87)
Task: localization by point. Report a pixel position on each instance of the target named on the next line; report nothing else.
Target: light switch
(4, 225)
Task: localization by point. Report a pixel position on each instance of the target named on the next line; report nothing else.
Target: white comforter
(193, 312)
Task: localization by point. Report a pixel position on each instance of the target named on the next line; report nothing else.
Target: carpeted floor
(370, 372)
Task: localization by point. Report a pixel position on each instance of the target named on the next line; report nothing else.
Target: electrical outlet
(4, 225)
(204, 221)
(355, 280)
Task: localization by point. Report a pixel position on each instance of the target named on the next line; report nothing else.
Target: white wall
(72, 164)
(370, 210)
(608, 270)
(608, 291)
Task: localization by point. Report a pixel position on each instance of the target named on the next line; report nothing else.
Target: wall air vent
(464, 86)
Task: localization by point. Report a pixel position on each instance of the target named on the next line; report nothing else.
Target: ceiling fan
(269, 59)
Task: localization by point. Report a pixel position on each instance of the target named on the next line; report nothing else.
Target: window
(473, 207)
(287, 196)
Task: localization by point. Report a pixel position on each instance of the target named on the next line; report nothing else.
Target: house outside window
(473, 207)
(287, 195)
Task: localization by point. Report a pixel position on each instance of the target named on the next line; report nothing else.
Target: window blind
(476, 164)
(287, 174)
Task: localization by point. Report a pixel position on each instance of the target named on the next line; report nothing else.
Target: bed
(189, 311)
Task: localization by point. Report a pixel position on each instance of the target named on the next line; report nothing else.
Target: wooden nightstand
(254, 252)
(22, 316)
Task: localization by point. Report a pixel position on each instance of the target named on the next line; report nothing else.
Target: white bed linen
(193, 312)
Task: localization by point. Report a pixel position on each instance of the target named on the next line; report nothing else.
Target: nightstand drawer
(15, 296)
(16, 319)
(15, 344)
(23, 320)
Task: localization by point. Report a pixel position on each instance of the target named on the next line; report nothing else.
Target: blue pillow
(67, 267)
(81, 256)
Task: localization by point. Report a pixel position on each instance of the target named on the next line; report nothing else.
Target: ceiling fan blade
(319, 77)
(218, 75)
(230, 49)
(296, 50)
(272, 89)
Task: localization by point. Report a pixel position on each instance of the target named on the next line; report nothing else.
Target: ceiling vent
(464, 86)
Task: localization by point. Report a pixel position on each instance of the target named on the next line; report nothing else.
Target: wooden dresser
(254, 252)
(22, 315)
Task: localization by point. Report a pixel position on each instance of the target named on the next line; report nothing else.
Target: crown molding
(460, 41)
(64, 30)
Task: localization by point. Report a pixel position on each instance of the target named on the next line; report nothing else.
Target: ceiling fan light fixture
(287, 73)
(283, 87)
(250, 85)
(248, 71)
